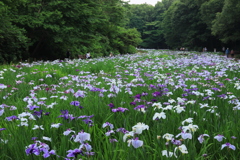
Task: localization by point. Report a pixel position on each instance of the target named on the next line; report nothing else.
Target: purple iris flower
(47, 153)
(119, 109)
(139, 107)
(222, 95)
(84, 116)
(184, 95)
(38, 113)
(176, 142)
(66, 115)
(133, 103)
(205, 155)
(144, 94)
(47, 113)
(74, 153)
(1, 129)
(32, 149)
(11, 118)
(111, 105)
(123, 130)
(33, 107)
(215, 89)
(156, 94)
(108, 124)
(88, 121)
(138, 96)
(152, 86)
(75, 103)
(154, 100)
(220, 84)
(113, 140)
(34, 138)
(204, 98)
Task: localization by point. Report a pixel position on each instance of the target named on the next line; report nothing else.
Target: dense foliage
(40, 29)
(187, 23)
(47, 29)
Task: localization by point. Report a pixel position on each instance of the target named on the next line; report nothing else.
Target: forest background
(46, 29)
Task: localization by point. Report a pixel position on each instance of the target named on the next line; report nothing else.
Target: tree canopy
(186, 23)
(47, 29)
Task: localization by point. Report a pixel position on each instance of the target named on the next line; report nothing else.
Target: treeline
(192, 24)
(46, 29)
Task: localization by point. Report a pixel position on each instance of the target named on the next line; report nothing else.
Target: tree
(13, 42)
(141, 18)
(226, 25)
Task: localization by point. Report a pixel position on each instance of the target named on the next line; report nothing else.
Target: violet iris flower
(66, 115)
(123, 130)
(156, 94)
(38, 113)
(133, 103)
(111, 105)
(74, 153)
(139, 107)
(11, 118)
(32, 149)
(138, 96)
(176, 142)
(119, 109)
(75, 103)
(33, 107)
(108, 124)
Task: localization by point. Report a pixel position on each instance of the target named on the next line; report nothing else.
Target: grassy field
(148, 106)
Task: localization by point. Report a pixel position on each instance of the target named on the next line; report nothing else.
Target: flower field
(157, 105)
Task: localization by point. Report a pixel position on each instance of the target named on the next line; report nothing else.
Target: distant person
(232, 53)
(88, 55)
(205, 49)
(68, 54)
(215, 50)
(227, 52)
(223, 49)
(111, 55)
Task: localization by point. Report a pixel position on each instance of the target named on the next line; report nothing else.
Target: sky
(152, 2)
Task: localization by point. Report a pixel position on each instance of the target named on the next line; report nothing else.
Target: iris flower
(167, 153)
(219, 137)
(201, 137)
(135, 142)
(228, 145)
(107, 124)
(75, 103)
(139, 127)
(182, 149)
(159, 116)
(82, 137)
(168, 136)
